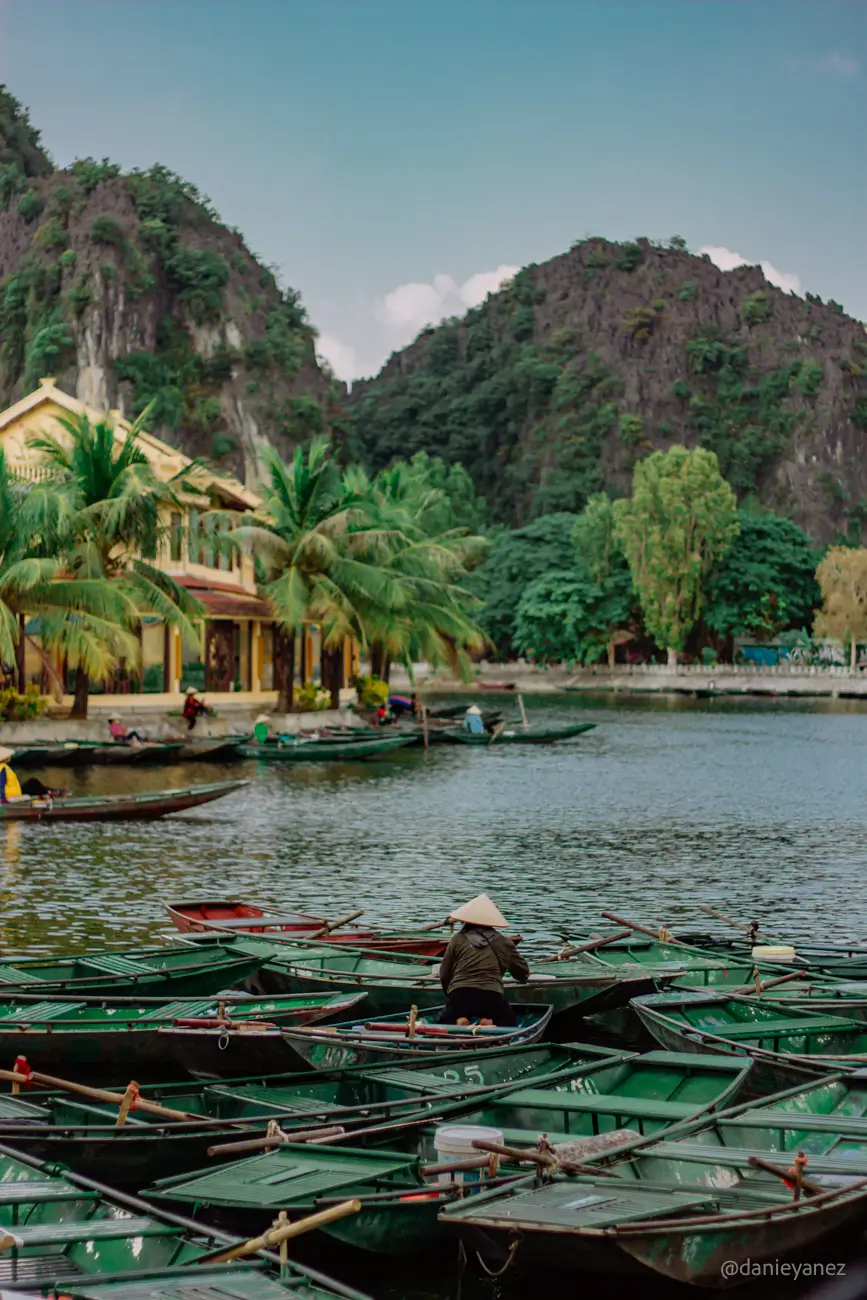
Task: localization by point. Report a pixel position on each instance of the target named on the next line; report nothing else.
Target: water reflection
(751, 805)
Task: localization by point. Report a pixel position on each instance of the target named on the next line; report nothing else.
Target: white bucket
(455, 1142)
(779, 952)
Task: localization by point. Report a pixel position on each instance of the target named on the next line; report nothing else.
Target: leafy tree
(678, 524)
(313, 540)
(563, 616)
(517, 557)
(34, 527)
(842, 577)
(457, 503)
(115, 504)
(766, 581)
(600, 554)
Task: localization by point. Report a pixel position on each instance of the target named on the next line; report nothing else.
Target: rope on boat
(510, 1258)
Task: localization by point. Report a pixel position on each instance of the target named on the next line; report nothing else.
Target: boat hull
(135, 807)
(326, 752)
(532, 736)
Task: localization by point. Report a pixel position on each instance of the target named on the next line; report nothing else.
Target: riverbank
(687, 679)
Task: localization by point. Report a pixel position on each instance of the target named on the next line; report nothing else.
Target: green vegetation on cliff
(555, 387)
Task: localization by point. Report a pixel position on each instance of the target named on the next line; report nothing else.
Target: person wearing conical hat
(261, 729)
(473, 720)
(194, 707)
(10, 786)
(473, 966)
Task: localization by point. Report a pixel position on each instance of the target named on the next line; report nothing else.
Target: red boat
(496, 686)
(232, 915)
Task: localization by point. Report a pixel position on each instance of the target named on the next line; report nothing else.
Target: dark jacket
(477, 958)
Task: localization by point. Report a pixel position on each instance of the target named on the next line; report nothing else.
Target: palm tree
(78, 613)
(316, 543)
(116, 506)
(430, 561)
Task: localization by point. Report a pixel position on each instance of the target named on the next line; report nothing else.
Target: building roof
(169, 458)
(223, 599)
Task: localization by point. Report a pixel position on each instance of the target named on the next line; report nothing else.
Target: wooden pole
(587, 947)
(413, 1016)
(523, 711)
(274, 1236)
(750, 930)
(274, 1140)
(95, 1094)
(425, 727)
(501, 726)
(642, 929)
(747, 990)
(793, 1177)
(333, 925)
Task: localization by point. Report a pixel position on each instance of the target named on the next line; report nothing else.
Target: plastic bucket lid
(779, 952)
(457, 1139)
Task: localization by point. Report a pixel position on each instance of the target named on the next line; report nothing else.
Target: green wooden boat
(400, 1202)
(787, 1045)
(685, 1206)
(696, 967)
(64, 1235)
(573, 988)
(81, 753)
(838, 961)
(325, 751)
(517, 735)
(83, 1133)
(214, 1054)
(171, 971)
(113, 1041)
(144, 806)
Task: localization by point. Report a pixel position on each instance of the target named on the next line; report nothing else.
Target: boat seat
(260, 923)
(77, 1230)
(843, 1126)
(772, 1028)
(40, 1012)
(114, 964)
(425, 1081)
(21, 1192)
(265, 1098)
(15, 1108)
(12, 975)
(738, 1157)
(599, 1103)
(178, 1010)
(199, 1284)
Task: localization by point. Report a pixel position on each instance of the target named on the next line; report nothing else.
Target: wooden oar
(276, 1236)
(501, 726)
(586, 947)
(333, 925)
(749, 990)
(795, 1180)
(642, 929)
(543, 1158)
(738, 925)
(273, 1140)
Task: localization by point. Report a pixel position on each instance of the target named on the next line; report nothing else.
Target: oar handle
(276, 1236)
(587, 947)
(806, 1183)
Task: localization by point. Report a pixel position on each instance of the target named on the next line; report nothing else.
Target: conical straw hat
(474, 708)
(6, 754)
(479, 911)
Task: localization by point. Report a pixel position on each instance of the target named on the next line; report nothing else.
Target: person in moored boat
(10, 786)
(262, 729)
(120, 734)
(473, 720)
(194, 707)
(473, 966)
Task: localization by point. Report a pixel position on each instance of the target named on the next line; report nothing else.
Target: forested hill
(129, 290)
(554, 387)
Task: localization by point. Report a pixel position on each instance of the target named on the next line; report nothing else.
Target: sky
(397, 159)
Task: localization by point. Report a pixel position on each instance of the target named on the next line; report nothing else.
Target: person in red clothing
(194, 707)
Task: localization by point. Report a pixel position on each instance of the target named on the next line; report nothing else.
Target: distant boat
(116, 807)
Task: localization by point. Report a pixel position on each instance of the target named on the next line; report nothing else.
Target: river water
(756, 807)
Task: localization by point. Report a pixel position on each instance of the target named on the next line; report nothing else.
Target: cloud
(339, 355)
(412, 306)
(726, 259)
(839, 65)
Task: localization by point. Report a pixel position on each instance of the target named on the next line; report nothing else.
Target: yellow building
(235, 648)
